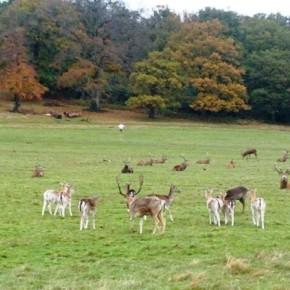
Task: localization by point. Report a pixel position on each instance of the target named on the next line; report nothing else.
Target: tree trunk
(95, 105)
(151, 112)
(16, 105)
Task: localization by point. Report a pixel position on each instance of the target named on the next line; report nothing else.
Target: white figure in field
(121, 127)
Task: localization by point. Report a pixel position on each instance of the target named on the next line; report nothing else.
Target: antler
(119, 187)
(141, 181)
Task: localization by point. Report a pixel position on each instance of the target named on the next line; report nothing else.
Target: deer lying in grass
(231, 164)
(168, 198)
(145, 162)
(160, 161)
(127, 169)
(249, 152)
(258, 208)
(237, 193)
(87, 207)
(38, 171)
(203, 161)
(284, 158)
(72, 114)
(182, 166)
(64, 200)
(51, 197)
(145, 206)
(283, 177)
(214, 206)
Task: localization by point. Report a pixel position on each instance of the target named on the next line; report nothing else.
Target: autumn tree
(19, 79)
(210, 67)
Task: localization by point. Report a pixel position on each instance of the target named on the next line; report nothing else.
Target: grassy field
(51, 253)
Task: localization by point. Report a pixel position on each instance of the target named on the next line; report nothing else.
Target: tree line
(213, 62)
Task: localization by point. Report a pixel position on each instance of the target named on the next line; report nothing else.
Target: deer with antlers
(143, 206)
(283, 177)
(284, 158)
(182, 166)
(168, 199)
(127, 168)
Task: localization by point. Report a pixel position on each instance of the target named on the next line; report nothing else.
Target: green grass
(51, 253)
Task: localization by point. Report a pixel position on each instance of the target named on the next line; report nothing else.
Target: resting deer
(203, 161)
(87, 207)
(145, 162)
(283, 177)
(231, 164)
(258, 208)
(72, 114)
(38, 171)
(168, 198)
(127, 169)
(182, 166)
(145, 206)
(284, 158)
(160, 161)
(250, 152)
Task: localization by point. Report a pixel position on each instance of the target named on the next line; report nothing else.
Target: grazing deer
(38, 171)
(250, 152)
(145, 206)
(258, 208)
(203, 161)
(283, 177)
(284, 158)
(87, 207)
(160, 161)
(168, 198)
(127, 169)
(145, 162)
(231, 164)
(237, 193)
(51, 197)
(182, 166)
(214, 206)
(64, 200)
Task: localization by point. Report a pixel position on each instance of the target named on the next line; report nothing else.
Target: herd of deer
(155, 205)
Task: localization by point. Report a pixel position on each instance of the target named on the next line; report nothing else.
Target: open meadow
(51, 253)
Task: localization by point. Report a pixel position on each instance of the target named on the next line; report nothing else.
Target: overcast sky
(245, 7)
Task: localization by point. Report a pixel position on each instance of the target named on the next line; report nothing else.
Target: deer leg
(70, 212)
(242, 200)
(44, 207)
(170, 214)
(49, 208)
(87, 222)
(56, 209)
(226, 218)
(262, 219)
(253, 216)
(94, 220)
(156, 221)
(162, 222)
(141, 225)
(82, 222)
(218, 219)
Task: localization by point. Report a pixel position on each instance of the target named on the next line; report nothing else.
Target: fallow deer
(249, 152)
(160, 161)
(145, 162)
(38, 171)
(64, 200)
(145, 206)
(182, 166)
(214, 206)
(231, 164)
(203, 161)
(283, 177)
(127, 168)
(258, 208)
(72, 114)
(237, 193)
(229, 210)
(168, 198)
(87, 207)
(284, 158)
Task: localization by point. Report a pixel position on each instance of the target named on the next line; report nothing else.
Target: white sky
(244, 7)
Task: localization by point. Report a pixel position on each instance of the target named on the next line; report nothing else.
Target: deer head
(130, 192)
(283, 176)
